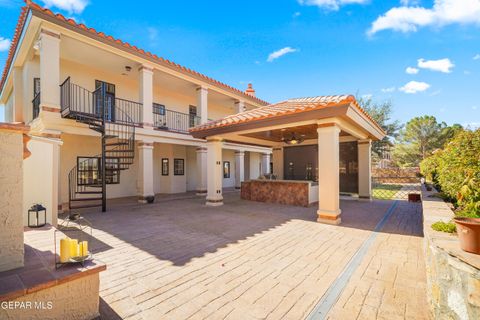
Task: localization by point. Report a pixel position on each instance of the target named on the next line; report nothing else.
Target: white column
(239, 168)
(49, 43)
(145, 172)
(146, 94)
(328, 174)
(239, 106)
(265, 163)
(215, 176)
(202, 104)
(364, 169)
(18, 95)
(201, 171)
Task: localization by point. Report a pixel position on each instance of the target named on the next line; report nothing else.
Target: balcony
(174, 121)
(77, 102)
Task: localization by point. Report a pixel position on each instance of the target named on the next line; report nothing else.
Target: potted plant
(468, 230)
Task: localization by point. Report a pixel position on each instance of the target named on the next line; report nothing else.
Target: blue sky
(294, 48)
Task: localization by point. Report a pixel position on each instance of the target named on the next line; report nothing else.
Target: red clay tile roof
(33, 6)
(283, 108)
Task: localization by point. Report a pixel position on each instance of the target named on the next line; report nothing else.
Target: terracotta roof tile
(30, 5)
(286, 107)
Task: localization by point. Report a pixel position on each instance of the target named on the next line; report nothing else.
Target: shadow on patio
(179, 230)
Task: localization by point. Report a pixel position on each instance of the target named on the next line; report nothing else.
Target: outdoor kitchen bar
(292, 192)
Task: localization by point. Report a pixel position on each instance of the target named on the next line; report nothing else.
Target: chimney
(250, 91)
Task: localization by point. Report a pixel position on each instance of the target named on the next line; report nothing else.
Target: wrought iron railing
(174, 121)
(36, 105)
(77, 100)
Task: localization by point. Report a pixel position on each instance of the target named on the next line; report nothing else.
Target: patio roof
(294, 110)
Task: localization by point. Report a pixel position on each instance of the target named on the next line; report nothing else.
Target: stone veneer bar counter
(291, 192)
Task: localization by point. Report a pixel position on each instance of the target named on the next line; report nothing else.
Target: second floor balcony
(78, 101)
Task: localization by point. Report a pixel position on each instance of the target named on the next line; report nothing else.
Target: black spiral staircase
(88, 180)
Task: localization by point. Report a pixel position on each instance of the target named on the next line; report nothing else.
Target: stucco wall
(77, 299)
(229, 155)
(171, 183)
(191, 168)
(254, 165)
(8, 113)
(76, 145)
(11, 180)
(41, 178)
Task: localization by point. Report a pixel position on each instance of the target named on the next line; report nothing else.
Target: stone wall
(453, 275)
(11, 218)
(77, 299)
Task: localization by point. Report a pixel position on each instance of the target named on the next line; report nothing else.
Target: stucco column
(214, 169)
(49, 45)
(202, 104)
(146, 94)
(239, 168)
(265, 163)
(145, 173)
(11, 195)
(364, 169)
(239, 106)
(42, 169)
(18, 103)
(328, 174)
(201, 171)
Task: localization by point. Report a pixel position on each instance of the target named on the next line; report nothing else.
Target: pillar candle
(64, 250)
(84, 248)
(74, 248)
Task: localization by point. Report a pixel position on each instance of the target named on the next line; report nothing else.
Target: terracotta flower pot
(468, 230)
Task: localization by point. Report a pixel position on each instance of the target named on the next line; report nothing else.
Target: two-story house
(93, 102)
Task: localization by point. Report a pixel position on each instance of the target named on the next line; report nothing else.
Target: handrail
(36, 105)
(175, 121)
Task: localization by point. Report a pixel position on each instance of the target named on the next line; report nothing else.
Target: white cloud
(441, 65)
(474, 108)
(330, 4)
(443, 12)
(4, 44)
(409, 2)
(471, 125)
(435, 93)
(476, 57)
(411, 70)
(414, 87)
(277, 54)
(388, 90)
(296, 14)
(71, 6)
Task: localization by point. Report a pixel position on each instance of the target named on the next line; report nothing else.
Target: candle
(64, 250)
(74, 248)
(84, 248)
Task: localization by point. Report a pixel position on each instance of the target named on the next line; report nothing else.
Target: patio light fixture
(293, 139)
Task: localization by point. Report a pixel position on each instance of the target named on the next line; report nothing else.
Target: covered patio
(324, 121)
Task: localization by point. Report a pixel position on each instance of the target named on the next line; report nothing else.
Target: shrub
(448, 227)
(456, 169)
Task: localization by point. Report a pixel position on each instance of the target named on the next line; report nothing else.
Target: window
(36, 86)
(89, 171)
(159, 109)
(178, 167)
(165, 167)
(226, 169)
(192, 115)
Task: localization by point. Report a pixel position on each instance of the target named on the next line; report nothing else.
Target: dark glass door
(349, 167)
(192, 115)
(109, 100)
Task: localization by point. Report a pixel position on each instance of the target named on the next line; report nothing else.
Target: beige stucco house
(161, 127)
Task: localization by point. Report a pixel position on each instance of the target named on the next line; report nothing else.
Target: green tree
(419, 138)
(381, 112)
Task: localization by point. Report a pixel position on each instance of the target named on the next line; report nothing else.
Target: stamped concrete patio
(178, 259)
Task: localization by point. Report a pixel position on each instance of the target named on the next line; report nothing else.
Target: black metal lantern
(37, 210)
